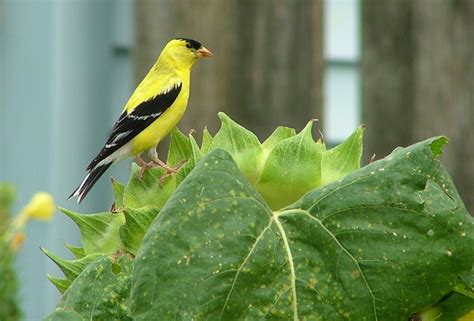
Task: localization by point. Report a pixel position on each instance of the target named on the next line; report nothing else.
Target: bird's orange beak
(204, 52)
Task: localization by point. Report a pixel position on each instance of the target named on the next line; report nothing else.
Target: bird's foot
(143, 166)
(169, 169)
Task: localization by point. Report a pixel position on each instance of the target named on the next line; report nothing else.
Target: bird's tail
(91, 178)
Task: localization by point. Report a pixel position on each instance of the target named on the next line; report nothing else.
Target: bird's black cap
(190, 43)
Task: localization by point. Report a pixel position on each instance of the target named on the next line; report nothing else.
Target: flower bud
(41, 207)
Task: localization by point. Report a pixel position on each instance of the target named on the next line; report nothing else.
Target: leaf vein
(274, 303)
(321, 296)
(348, 253)
(418, 275)
(241, 267)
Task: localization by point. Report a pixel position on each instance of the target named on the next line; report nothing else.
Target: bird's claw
(144, 167)
(171, 170)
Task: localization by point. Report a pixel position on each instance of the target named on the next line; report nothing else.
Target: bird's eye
(188, 45)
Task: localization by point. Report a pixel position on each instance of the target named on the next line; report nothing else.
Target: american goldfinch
(154, 109)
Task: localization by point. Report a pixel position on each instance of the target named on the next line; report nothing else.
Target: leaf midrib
(292, 266)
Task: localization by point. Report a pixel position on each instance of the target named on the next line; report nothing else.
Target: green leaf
(204, 229)
(197, 154)
(453, 307)
(137, 223)
(147, 191)
(64, 315)
(60, 284)
(100, 292)
(180, 147)
(465, 284)
(342, 159)
(293, 167)
(78, 252)
(206, 141)
(384, 242)
(395, 225)
(243, 145)
(144, 198)
(437, 146)
(280, 133)
(71, 268)
(118, 189)
(99, 232)
(466, 281)
(184, 171)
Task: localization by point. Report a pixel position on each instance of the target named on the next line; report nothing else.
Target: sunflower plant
(287, 229)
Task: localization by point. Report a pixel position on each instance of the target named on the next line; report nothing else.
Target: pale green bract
(284, 230)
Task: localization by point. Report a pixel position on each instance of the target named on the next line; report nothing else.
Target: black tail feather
(91, 178)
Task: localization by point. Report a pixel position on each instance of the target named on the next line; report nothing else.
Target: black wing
(130, 125)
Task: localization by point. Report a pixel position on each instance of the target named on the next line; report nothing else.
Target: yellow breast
(162, 126)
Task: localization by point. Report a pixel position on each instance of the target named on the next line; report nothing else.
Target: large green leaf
(205, 227)
(100, 292)
(395, 228)
(380, 244)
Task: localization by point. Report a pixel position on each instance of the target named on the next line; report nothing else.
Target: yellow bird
(153, 110)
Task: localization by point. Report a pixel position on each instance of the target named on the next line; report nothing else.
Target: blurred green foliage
(9, 308)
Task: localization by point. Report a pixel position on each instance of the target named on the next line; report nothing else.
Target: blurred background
(405, 68)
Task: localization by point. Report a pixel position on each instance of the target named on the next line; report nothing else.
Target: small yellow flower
(41, 207)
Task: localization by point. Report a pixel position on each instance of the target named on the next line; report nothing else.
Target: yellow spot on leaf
(355, 274)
